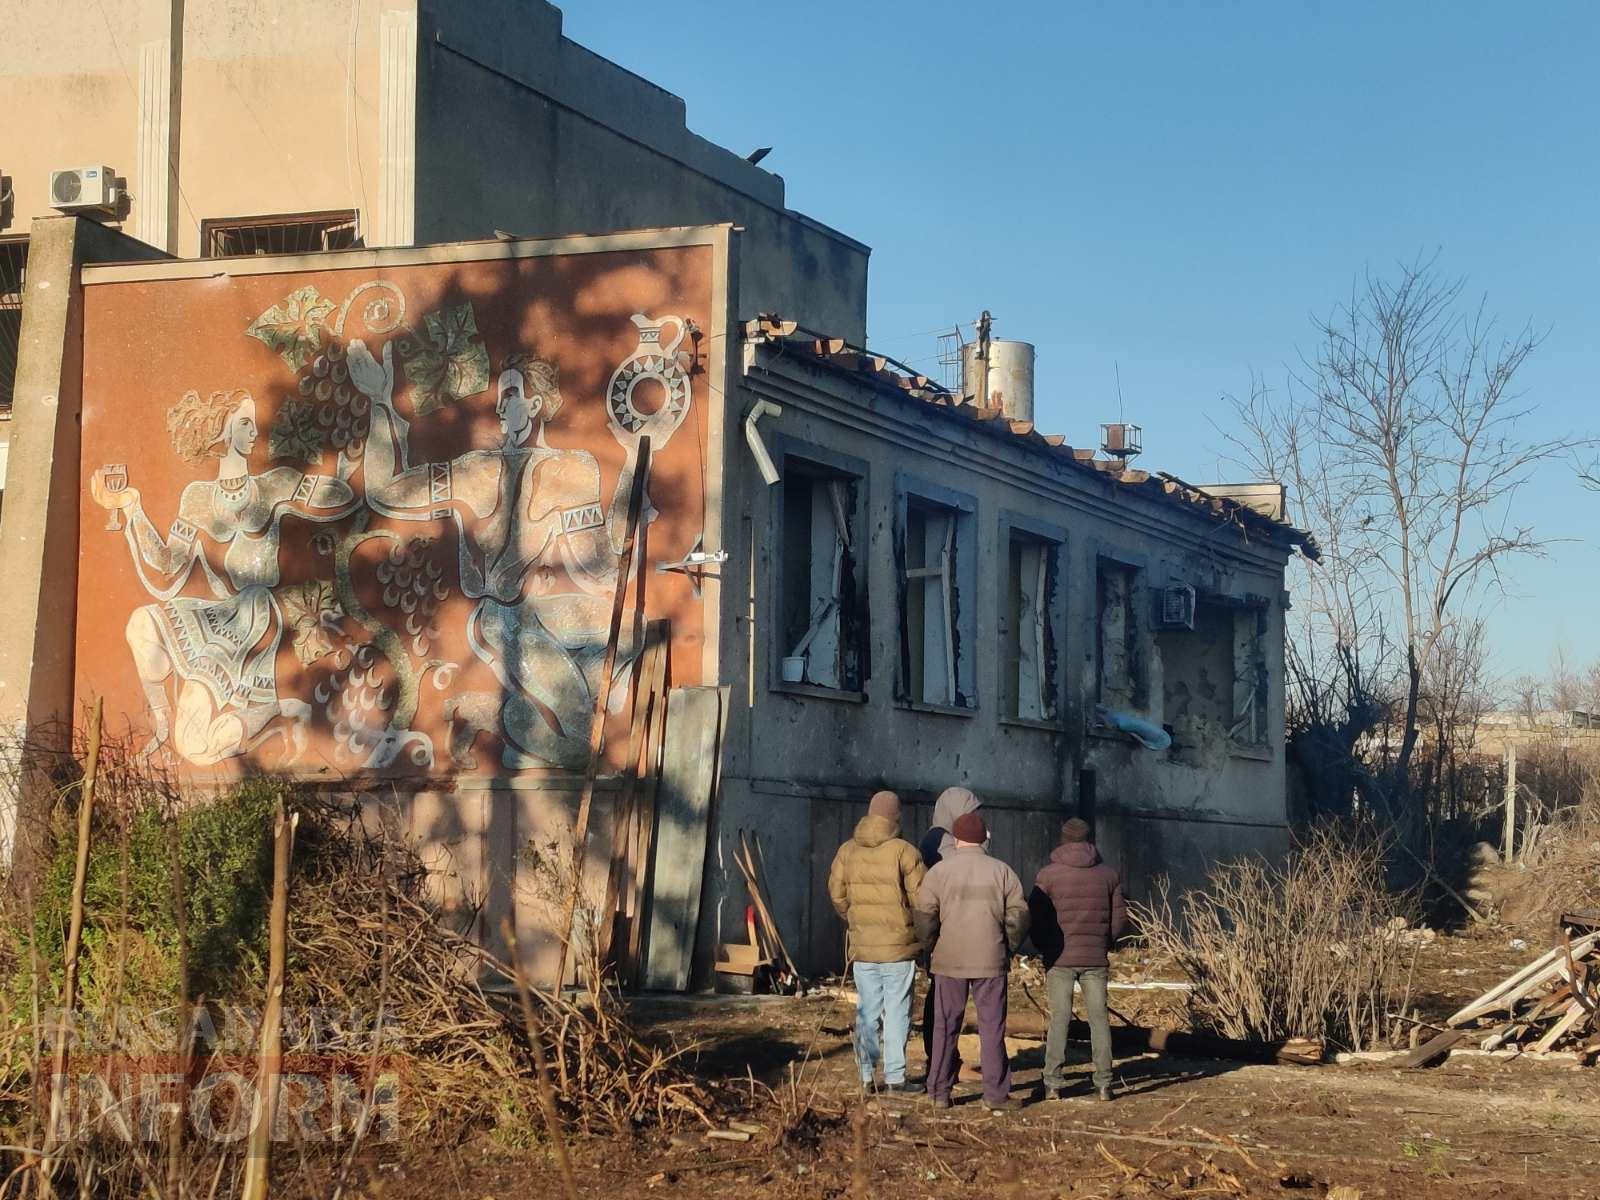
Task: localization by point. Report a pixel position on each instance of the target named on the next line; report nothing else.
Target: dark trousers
(949, 1008)
(927, 1028)
(1092, 982)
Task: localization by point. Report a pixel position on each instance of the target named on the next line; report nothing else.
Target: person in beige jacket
(873, 884)
(972, 909)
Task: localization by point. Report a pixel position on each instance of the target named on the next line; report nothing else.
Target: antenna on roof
(1121, 441)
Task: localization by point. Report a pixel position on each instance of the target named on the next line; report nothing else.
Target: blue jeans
(885, 997)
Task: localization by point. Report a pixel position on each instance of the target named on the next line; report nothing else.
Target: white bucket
(794, 670)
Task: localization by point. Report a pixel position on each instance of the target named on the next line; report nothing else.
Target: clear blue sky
(1174, 189)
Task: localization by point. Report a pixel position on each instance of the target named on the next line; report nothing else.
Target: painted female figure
(221, 650)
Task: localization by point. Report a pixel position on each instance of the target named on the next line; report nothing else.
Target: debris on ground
(1552, 1002)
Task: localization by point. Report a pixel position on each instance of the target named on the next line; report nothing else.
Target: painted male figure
(873, 884)
(1078, 914)
(538, 549)
(972, 909)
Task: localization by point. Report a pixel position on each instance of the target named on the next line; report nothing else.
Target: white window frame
(947, 575)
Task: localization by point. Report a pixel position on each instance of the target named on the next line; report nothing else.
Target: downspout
(758, 448)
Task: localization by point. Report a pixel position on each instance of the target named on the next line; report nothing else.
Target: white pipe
(758, 448)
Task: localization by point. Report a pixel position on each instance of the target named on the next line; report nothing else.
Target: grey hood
(953, 802)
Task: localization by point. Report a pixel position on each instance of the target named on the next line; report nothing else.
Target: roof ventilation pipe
(1004, 381)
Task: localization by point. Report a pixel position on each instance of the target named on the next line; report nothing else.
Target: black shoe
(1104, 1093)
(898, 1089)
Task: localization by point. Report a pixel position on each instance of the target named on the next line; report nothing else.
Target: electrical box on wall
(83, 189)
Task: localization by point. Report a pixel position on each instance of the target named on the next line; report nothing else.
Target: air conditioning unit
(84, 189)
(1175, 607)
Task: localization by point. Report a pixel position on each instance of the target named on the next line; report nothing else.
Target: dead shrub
(419, 1021)
(1561, 858)
(1306, 949)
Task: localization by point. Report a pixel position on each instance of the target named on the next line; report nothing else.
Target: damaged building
(345, 495)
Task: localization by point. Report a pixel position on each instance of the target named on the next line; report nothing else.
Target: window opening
(297, 233)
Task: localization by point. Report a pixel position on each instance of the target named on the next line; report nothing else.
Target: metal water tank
(1010, 382)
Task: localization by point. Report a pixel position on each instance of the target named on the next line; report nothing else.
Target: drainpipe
(758, 448)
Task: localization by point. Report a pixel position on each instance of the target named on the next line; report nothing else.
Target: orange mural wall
(365, 518)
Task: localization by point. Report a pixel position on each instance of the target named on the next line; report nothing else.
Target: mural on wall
(397, 547)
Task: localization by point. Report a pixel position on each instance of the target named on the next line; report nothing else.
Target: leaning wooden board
(683, 822)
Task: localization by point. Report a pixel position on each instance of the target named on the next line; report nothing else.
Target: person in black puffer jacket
(1078, 914)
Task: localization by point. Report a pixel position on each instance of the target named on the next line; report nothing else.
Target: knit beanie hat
(970, 828)
(884, 804)
(1074, 829)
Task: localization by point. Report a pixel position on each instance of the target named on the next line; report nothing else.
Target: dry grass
(1561, 860)
(1307, 949)
(376, 985)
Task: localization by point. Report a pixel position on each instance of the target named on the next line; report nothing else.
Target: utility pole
(1510, 835)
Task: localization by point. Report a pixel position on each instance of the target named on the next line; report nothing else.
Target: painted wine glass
(115, 478)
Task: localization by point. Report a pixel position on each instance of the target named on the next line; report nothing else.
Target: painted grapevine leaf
(295, 435)
(303, 606)
(293, 326)
(451, 365)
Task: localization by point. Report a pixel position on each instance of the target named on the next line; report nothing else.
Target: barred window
(280, 233)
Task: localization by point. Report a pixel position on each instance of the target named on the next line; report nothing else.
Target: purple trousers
(949, 1009)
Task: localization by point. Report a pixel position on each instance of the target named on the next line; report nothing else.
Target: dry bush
(376, 984)
(1561, 857)
(1307, 949)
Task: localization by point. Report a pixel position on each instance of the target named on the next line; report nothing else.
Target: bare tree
(1406, 444)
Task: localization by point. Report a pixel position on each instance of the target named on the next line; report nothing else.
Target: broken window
(822, 614)
(1250, 680)
(296, 233)
(1121, 677)
(935, 560)
(1029, 628)
(1214, 676)
(1197, 676)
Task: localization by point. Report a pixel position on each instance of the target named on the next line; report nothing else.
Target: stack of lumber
(1552, 1003)
(763, 958)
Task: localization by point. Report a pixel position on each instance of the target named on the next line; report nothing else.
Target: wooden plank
(747, 863)
(627, 808)
(597, 722)
(1434, 1049)
(683, 803)
(1575, 1013)
(644, 832)
(1542, 966)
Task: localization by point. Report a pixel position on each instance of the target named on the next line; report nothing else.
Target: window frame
(912, 491)
(1242, 608)
(1021, 526)
(11, 304)
(818, 461)
(1138, 568)
(212, 227)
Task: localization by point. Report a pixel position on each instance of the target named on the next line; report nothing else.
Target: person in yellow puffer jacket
(873, 884)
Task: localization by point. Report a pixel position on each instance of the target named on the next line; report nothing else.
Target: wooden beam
(597, 723)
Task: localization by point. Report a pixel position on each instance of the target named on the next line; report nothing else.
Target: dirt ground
(1473, 1127)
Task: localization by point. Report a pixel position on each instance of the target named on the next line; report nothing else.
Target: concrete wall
(523, 130)
(802, 762)
(205, 108)
(39, 520)
(436, 122)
